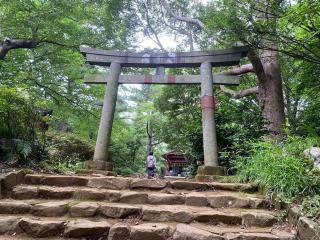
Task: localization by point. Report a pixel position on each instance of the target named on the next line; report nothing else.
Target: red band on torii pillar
(208, 102)
(172, 79)
(148, 78)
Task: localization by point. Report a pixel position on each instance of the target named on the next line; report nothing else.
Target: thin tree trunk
(149, 138)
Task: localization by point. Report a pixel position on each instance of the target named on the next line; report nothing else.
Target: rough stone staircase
(117, 208)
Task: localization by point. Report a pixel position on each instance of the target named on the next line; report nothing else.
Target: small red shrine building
(176, 163)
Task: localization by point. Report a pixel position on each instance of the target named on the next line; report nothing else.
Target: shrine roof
(176, 157)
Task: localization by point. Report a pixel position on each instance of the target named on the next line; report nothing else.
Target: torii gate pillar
(210, 151)
(101, 158)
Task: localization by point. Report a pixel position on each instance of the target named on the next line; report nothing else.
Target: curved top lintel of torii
(223, 57)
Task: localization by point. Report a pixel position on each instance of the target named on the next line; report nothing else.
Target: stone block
(20, 176)
(216, 217)
(148, 184)
(184, 232)
(133, 197)
(64, 181)
(14, 207)
(166, 199)
(196, 199)
(41, 228)
(223, 201)
(207, 178)
(258, 219)
(96, 172)
(119, 231)
(210, 170)
(150, 231)
(159, 214)
(84, 209)
(25, 192)
(189, 185)
(86, 228)
(9, 181)
(56, 192)
(308, 229)
(99, 165)
(89, 194)
(9, 224)
(293, 216)
(114, 183)
(119, 210)
(50, 209)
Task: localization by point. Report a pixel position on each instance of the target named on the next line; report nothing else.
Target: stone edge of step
(221, 199)
(132, 183)
(75, 228)
(161, 213)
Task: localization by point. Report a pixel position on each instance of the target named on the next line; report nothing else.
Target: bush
(67, 147)
(19, 142)
(311, 207)
(280, 168)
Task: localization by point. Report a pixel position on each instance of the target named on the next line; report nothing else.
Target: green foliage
(59, 167)
(293, 26)
(18, 120)
(280, 168)
(310, 207)
(68, 147)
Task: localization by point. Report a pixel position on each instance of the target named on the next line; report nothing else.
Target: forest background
(49, 118)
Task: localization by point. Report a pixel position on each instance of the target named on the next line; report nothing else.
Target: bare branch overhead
(190, 20)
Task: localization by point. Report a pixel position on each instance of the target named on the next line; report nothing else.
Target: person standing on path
(151, 165)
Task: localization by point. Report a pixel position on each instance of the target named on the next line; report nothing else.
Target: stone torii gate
(205, 60)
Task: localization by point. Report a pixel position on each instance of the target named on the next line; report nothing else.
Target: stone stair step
(86, 228)
(121, 183)
(99, 228)
(214, 199)
(159, 213)
(150, 231)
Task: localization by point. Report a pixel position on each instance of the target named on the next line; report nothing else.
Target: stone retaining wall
(307, 229)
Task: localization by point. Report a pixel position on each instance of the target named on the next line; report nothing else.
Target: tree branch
(190, 20)
(243, 69)
(7, 44)
(239, 94)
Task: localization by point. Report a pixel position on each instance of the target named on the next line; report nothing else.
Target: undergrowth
(280, 169)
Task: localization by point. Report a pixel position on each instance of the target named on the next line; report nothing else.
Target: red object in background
(176, 158)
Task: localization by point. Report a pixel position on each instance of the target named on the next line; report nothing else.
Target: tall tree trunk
(267, 68)
(270, 92)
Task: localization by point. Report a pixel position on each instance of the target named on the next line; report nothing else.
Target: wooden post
(101, 160)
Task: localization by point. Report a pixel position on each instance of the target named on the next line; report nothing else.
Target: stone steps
(100, 207)
(65, 228)
(121, 183)
(214, 199)
(158, 213)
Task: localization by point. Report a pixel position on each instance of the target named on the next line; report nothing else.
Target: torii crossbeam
(205, 60)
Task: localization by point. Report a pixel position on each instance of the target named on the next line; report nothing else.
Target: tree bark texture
(267, 68)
